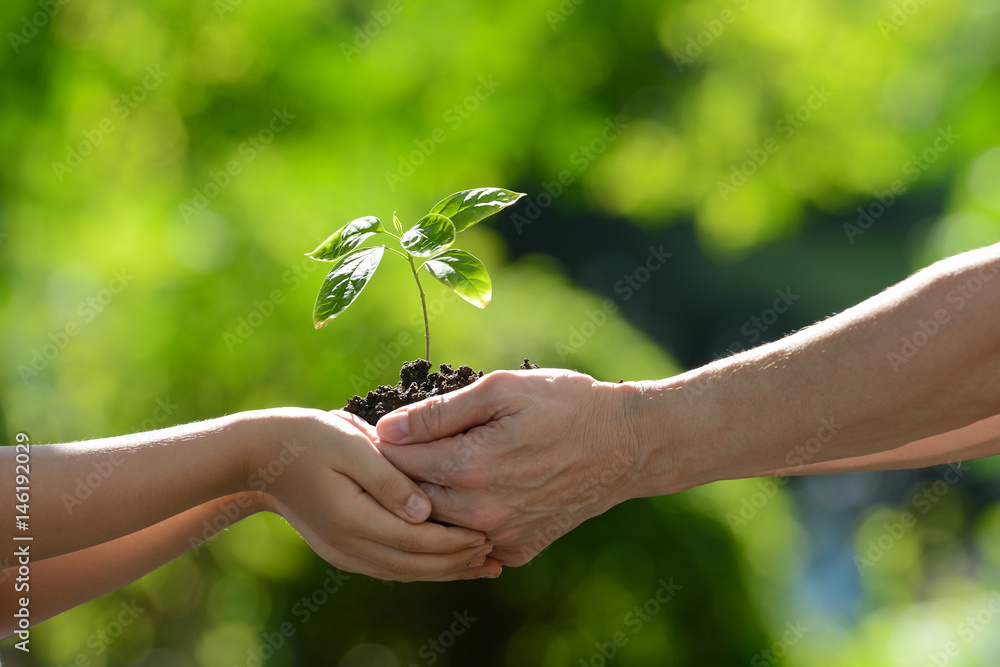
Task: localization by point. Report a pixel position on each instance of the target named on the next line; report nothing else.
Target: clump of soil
(415, 384)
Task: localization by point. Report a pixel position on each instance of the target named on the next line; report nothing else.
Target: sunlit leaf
(432, 233)
(468, 207)
(464, 274)
(346, 239)
(344, 283)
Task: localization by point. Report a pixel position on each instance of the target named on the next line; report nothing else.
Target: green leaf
(464, 274)
(344, 283)
(468, 207)
(395, 223)
(431, 234)
(346, 239)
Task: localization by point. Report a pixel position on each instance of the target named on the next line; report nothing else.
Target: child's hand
(357, 511)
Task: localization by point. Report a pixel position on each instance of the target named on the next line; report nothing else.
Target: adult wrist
(674, 431)
(630, 437)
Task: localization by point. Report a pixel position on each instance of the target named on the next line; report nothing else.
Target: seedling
(428, 241)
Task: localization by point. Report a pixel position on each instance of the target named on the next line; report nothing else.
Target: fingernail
(488, 576)
(394, 428)
(417, 507)
(477, 562)
(482, 553)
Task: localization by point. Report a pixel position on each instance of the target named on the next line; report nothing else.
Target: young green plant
(428, 241)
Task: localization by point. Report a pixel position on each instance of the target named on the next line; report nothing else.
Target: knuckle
(408, 543)
(489, 521)
(483, 443)
(515, 556)
(401, 569)
(432, 415)
(474, 519)
(439, 477)
(469, 448)
(499, 381)
(506, 536)
(384, 484)
(471, 478)
(479, 438)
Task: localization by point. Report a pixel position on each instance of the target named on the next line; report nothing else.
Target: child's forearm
(88, 493)
(974, 441)
(62, 582)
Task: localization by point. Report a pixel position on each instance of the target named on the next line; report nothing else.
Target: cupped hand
(524, 456)
(357, 512)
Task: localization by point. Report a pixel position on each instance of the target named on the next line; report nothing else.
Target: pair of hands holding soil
(508, 464)
(457, 485)
(522, 456)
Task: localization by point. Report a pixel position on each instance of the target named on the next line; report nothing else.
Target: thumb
(440, 416)
(386, 484)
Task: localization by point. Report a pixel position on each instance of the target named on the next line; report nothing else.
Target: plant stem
(423, 304)
(397, 252)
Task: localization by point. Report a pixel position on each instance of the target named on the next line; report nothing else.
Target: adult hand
(357, 512)
(524, 456)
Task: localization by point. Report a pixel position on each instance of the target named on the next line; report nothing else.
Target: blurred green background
(197, 149)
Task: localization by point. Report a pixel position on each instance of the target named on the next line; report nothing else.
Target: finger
(361, 424)
(405, 569)
(371, 559)
(371, 521)
(391, 488)
(436, 462)
(490, 569)
(447, 569)
(447, 504)
(441, 416)
(407, 566)
(356, 421)
(514, 556)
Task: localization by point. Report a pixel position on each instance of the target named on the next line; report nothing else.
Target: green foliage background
(441, 97)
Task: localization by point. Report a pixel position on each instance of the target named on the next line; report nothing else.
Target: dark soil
(415, 384)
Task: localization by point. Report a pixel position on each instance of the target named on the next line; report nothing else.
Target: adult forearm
(88, 493)
(920, 359)
(63, 582)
